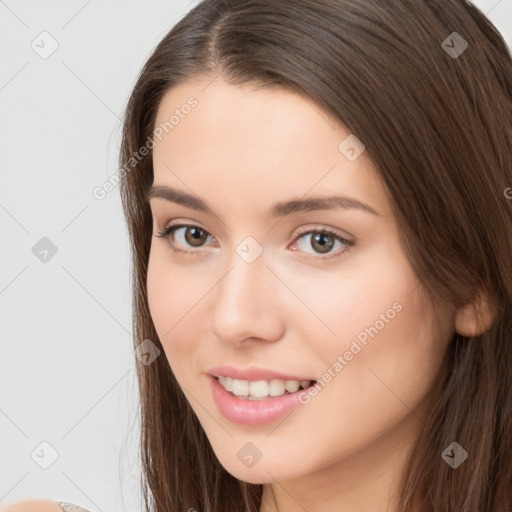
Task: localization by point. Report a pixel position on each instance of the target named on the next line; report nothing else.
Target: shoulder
(31, 506)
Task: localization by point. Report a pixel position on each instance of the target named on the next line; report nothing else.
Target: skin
(31, 506)
(241, 150)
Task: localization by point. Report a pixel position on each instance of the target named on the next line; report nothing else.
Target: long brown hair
(434, 110)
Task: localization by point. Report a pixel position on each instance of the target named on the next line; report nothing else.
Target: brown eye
(322, 242)
(195, 236)
(192, 237)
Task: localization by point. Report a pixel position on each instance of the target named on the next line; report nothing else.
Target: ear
(475, 318)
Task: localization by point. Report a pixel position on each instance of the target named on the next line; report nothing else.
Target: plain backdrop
(68, 396)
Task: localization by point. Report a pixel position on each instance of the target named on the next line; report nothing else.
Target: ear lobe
(475, 318)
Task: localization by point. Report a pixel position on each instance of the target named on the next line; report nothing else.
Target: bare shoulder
(31, 506)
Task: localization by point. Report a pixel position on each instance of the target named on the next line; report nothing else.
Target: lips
(252, 413)
(254, 373)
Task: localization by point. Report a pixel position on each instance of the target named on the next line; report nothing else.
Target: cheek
(177, 298)
(378, 319)
(357, 301)
(390, 355)
(168, 295)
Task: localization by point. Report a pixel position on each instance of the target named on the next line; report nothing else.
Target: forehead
(248, 118)
(243, 141)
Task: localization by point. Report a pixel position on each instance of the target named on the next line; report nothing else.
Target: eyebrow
(280, 209)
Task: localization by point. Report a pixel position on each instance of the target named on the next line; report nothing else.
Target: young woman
(319, 201)
(319, 194)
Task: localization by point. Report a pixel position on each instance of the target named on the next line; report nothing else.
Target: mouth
(238, 404)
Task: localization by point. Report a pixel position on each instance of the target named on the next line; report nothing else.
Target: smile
(248, 410)
(262, 389)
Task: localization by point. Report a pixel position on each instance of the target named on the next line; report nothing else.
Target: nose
(246, 304)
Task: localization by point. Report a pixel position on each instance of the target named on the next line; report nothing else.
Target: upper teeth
(261, 388)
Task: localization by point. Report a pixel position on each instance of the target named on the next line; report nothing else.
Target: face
(325, 293)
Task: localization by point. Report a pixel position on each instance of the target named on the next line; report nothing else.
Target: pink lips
(253, 412)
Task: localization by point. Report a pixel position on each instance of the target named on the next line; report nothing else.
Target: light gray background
(67, 370)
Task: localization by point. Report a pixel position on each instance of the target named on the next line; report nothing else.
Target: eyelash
(168, 231)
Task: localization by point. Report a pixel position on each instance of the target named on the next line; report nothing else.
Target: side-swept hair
(438, 127)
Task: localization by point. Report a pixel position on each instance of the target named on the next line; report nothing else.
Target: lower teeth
(257, 397)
